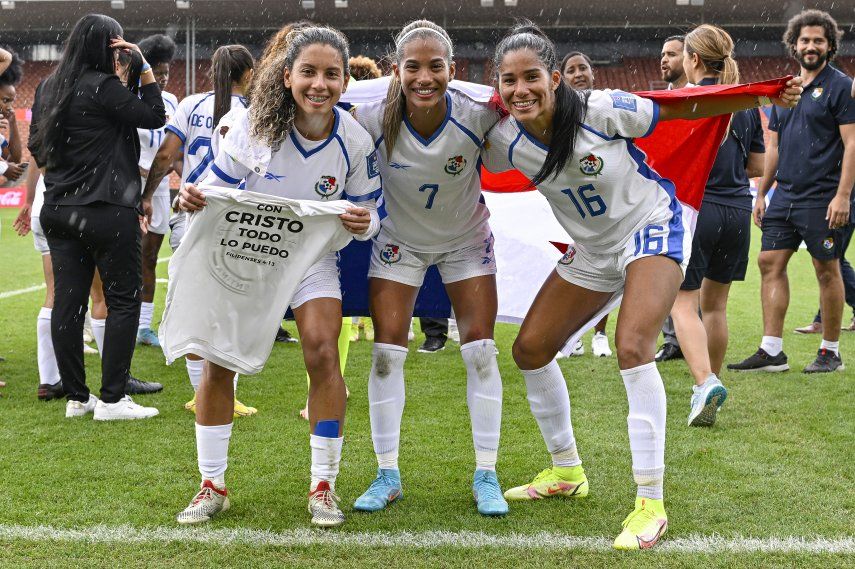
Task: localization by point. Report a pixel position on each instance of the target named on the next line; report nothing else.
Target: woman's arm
(167, 154)
(754, 168)
(702, 108)
(362, 220)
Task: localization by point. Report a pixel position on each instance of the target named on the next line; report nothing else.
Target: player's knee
(320, 354)
(769, 266)
(633, 350)
(527, 355)
(828, 273)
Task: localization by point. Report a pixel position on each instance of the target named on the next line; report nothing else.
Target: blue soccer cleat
(147, 337)
(488, 494)
(384, 490)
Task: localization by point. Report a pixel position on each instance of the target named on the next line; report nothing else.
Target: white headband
(425, 28)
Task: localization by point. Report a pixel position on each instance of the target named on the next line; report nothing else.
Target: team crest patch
(455, 165)
(373, 168)
(568, 257)
(828, 244)
(816, 93)
(625, 101)
(326, 187)
(390, 254)
(591, 165)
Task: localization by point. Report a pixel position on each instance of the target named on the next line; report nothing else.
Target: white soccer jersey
(150, 139)
(432, 187)
(606, 192)
(236, 270)
(341, 167)
(193, 123)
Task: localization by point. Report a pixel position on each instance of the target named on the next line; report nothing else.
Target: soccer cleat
(668, 352)
(206, 504)
(762, 361)
(578, 349)
(283, 335)
(432, 345)
(707, 399)
(79, 409)
(136, 386)
(123, 410)
(488, 494)
(826, 361)
(600, 345)
(323, 505)
(47, 392)
(147, 337)
(812, 328)
(644, 526)
(191, 405)
(851, 327)
(564, 481)
(384, 490)
(241, 410)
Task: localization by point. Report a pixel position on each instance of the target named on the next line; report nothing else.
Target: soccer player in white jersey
(293, 142)
(629, 237)
(158, 50)
(428, 140)
(188, 137)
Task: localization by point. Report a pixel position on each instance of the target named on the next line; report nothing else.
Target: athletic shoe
(285, 336)
(206, 504)
(89, 350)
(432, 345)
(136, 386)
(147, 337)
(384, 490)
(578, 349)
(323, 505)
(48, 392)
(762, 361)
(411, 334)
(565, 481)
(600, 345)
(669, 352)
(122, 410)
(826, 361)
(191, 405)
(812, 328)
(78, 409)
(241, 410)
(707, 399)
(488, 494)
(644, 526)
(851, 327)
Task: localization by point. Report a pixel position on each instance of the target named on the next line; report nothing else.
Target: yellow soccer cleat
(568, 482)
(644, 526)
(242, 410)
(191, 405)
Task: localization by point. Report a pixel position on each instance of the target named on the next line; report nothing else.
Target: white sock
(146, 312)
(386, 401)
(646, 423)
(235, 380)
(825, 345)
(194, 371)
(98, 327)
(212, 448)
(772, 345)
(48, 370)
(484, 398)
(550, 405)
(326, 456)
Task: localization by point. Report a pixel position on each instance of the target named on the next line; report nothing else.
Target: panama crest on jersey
(816, 93)
(326, 187)
(390, 254)
(591, 165)
(568, 257)
(455, 165)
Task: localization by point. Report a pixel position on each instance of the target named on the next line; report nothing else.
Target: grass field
(770, 485)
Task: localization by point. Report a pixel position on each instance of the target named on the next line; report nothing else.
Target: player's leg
(50, 386)
(214, 415)
(692, 334)
(151, 243)
(98, 311)
(831, 301)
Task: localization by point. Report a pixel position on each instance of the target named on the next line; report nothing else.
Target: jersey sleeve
(180, 120)
(370, 117)
(774, 120)
(226, 171)
(841, 104)
(363, 181)
(495, 153)
(757, 144)
(621, 114)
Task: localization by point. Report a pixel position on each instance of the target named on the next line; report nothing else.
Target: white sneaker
(707, 400)
(600, 345)
(209, 501)
(323, 505)
(453, 332)
(578, 349)
(78, 409)
(411, 335)
(123, 409)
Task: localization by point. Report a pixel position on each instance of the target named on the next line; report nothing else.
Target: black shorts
(784, 228)
(720, 246)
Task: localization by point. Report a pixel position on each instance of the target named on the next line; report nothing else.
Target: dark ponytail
(228, 65)
(570, 106)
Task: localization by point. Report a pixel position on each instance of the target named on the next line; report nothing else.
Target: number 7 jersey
(606, 192)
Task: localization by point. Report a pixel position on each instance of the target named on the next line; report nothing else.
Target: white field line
(163, 259)
(29, 289)
(428, 539)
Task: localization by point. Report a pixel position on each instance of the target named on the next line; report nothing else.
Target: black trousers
(435, 327)
(82, 238)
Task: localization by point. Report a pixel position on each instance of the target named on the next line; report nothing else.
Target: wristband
(145, 68)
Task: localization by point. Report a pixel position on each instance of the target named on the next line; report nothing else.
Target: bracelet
(145, 68)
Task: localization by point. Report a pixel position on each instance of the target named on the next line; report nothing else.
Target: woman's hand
(13, 171)
(22, 222)
(759, 211)
(356, 220)
(791, 95)
(119, 43)
(191, 198)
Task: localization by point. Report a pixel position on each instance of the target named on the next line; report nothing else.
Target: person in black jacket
(83, 135)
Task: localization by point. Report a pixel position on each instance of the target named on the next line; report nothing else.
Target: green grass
(777, 464)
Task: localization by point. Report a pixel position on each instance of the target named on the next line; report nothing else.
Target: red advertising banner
(12, 197)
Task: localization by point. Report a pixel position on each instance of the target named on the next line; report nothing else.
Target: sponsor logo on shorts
(591, 165)
(390, 254)
(816, 93)
(326, 187)
(568, 257)
(828, 244)
(455, 165)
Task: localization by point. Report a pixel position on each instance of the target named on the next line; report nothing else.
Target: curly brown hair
(813, 18)
(362, 67)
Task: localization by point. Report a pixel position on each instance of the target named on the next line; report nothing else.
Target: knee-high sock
(98, 327)
(194, 371)
(484, 398)
(212, 448)
(646, 423)
(326, 456)
(550, 405)
(146, 313)
(48, 370)
(386, 401)
(235, 382)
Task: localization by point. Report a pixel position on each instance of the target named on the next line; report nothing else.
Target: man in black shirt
(811, 155)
